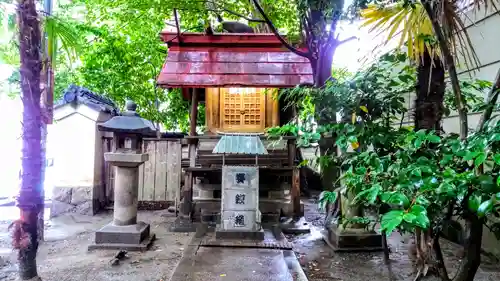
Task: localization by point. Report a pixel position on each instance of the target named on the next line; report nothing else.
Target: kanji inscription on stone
(239, 199)
(240, 178)
(239, 220)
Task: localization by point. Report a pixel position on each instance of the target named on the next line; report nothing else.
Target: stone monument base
(239, 234)
(352, 239)
(136, 237)
(297, 225)
(183, 225)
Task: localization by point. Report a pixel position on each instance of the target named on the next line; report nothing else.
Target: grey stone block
(348, 239)
(235, 234)
(81, 194)
(59, 208)
(85, 208)
(62, 194)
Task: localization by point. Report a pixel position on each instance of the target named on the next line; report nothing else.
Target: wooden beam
(292, 152)
(194, 113)
(295, 192)
(187, 191)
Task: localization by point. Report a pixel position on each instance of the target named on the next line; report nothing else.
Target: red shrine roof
(197, 60)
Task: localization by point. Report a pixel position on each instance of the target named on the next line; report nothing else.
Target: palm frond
(409, 23)
(412, 24)
(61, 31)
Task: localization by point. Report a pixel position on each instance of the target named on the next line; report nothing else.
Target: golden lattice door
(242, 109)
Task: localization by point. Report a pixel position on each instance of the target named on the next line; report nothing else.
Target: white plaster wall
(71, 143)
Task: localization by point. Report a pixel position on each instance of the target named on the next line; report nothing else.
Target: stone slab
(143, 246)
(295, 226)
(183, 225)
(237, 234)
(272, 239)
(218, 263)
(352, 240)
(130, 234)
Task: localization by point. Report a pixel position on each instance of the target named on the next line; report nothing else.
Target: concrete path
(237, 264)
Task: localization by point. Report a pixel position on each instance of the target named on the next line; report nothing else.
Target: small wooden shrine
(237, 76)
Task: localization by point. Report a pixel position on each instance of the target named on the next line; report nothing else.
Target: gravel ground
(321, 263)
(64, 256)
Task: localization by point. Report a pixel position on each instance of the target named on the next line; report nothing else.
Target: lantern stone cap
(129, 122)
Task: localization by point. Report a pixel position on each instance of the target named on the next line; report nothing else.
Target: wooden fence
(160, 176)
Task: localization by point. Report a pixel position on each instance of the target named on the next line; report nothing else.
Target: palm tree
(434, 34)
(412, 25)
(30, 200)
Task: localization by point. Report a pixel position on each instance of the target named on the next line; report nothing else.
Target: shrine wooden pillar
(184, 222)
(295, 192)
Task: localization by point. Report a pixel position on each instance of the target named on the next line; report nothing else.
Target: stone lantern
(125, 232)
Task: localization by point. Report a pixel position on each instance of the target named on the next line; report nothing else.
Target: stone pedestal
(125, 232)
(240, 214)
(352, 237)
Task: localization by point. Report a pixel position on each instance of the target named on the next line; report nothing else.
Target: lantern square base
(143, 246)
(112, 236)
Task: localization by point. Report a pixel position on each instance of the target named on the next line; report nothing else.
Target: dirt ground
(321, 263)
(64, 256)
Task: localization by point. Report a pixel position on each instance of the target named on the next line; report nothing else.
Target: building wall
(75, 145)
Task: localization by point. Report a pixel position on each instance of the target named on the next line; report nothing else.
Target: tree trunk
(472, 258)
(430, 94)
(29, 200)
(429, 108)
(430, 8)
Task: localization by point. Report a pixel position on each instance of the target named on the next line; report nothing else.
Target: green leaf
(470, 155)
(421, 200)
(399, 199)
(487, 183)
(417, 172)
(434, 139)
(418, 209)
(421, 133)
(496, 158)
(485, 208)
(409, 217)
(369, 195)
(495, 137)
(480, 159)
(418, 143)
(474, 202)
(391, 220)
(446, 159)
(445, 188)
(422, 220)
(426, 169)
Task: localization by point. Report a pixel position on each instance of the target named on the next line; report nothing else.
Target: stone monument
(352, 237)
(125, 232)
(240, 214)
